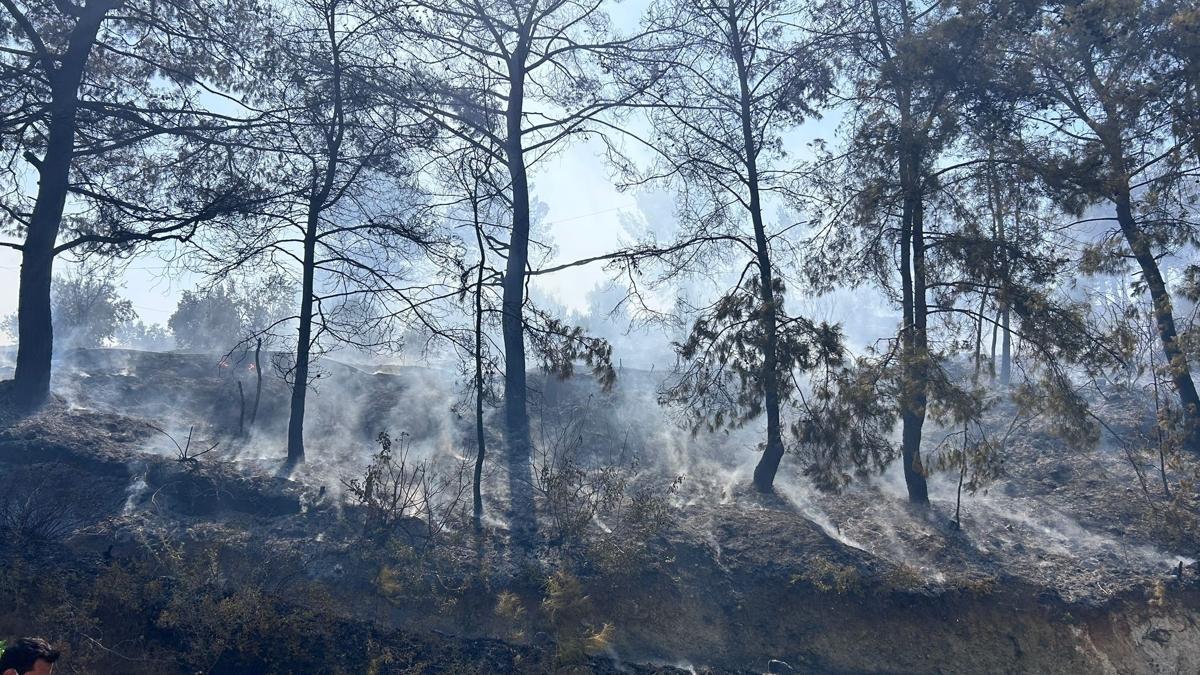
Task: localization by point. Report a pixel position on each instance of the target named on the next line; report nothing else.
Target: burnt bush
(43, 502)
(600, 514)
(400, 496)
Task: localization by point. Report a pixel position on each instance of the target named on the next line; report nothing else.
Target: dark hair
(23, 654)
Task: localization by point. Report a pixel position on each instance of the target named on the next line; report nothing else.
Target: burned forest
(585, 336)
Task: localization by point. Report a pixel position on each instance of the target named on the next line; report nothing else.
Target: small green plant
(977, 459)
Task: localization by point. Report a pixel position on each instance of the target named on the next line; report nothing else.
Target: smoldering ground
(1018, 525)
(1030, 533)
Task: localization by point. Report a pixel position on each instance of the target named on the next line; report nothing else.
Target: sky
(584, 218)
(585, 215)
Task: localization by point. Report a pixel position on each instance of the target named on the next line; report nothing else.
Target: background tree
(340, 215)
(901, 65)
(207, 321)
(88, 309)
(151, 337)
(515, 81)
(1105, 111)
(110, 129)
(229, 314)
(730, 79)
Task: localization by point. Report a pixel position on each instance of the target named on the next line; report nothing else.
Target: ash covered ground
(1062, 564)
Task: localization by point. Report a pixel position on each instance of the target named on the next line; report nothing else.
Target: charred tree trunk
(480, 433)
(318, 200)
(916, 362)
(295, 448)
(979, 334)
(1000, 233)
(913, 339)
(1006, 346)
(995, 341)
(35, 331)
(914, 342)
(768, 464)
(1164, 317)
(962, 476)
(241, 409)
(1006, 311)
(516, 415)
(258, 381)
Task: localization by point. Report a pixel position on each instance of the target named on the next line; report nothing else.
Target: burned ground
(1058, 566)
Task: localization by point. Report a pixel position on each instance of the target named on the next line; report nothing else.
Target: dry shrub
(211, 625)
(827, 576)
(402, 497)
(642, 512)
(42, 503)
(169, 610)
(905, 577)
(603, 514)
(511, 611)
(571, 617)
(414, 523)
(572, 496)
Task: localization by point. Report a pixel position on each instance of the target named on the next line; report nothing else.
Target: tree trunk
(516, 416)
(995, 338)
(914, 341)
(1164, 317)
(258, 380)
(35, 331)
(241, 409)
(962, 475)
(916, 361)
(318, 201)
(768, 464)
(295, 448)
(913, 338)
(1000, 233)
(480, 435)
(1006, 346)
(979, 334)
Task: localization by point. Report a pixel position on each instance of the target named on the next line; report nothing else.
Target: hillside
(1058, 567)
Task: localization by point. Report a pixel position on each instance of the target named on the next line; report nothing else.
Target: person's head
(34, 656)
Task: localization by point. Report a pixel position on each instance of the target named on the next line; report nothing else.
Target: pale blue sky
(585, 216)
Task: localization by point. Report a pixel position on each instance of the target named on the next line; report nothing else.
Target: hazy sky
(584, 217)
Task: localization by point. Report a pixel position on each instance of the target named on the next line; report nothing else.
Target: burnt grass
(137, 562)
